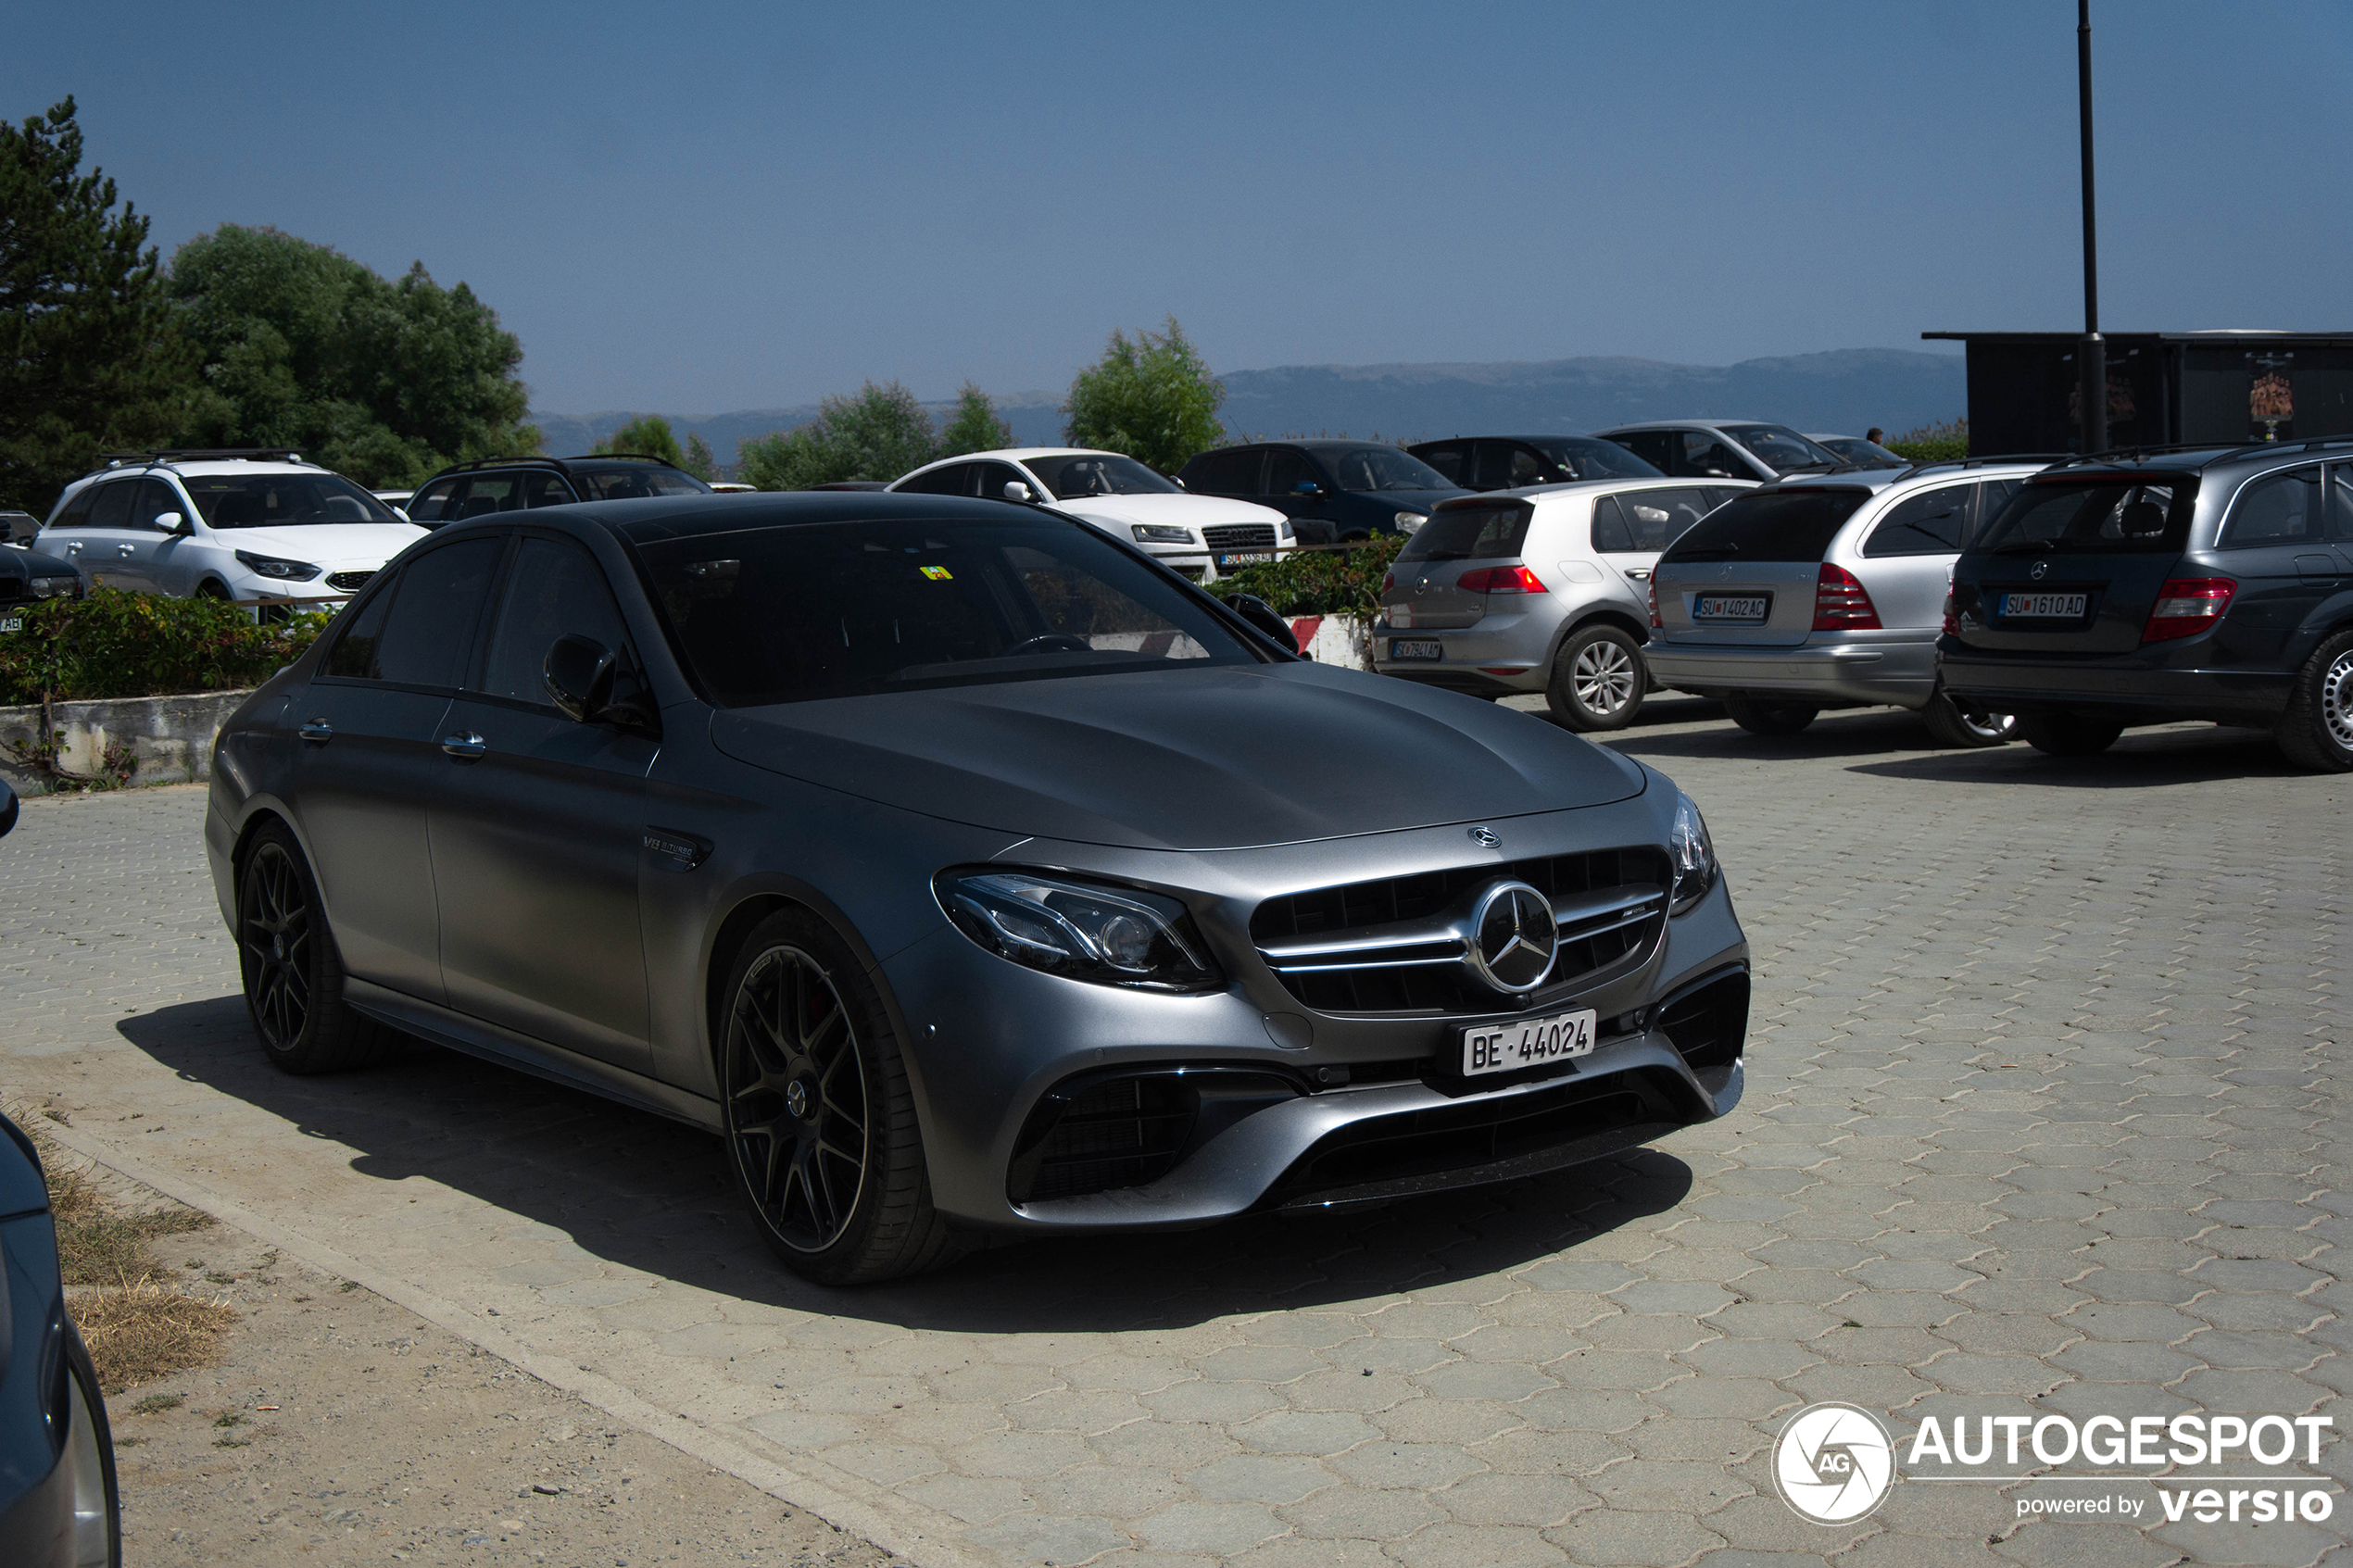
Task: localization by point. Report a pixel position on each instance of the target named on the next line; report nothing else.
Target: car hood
(1182, 512)
(17, 564)
(1220, 758)
(325, 544)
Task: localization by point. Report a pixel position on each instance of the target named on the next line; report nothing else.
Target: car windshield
(2093, 515)
(282, 501)
(1589, 457)
(622, 481)
(1384, 468)
(1870, 454)
(1098, 473)
(1778, 525)
(1781, 448)
(795, 612)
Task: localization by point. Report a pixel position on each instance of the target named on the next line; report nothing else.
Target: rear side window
(111, 505)
(1648, 520)
(1934, 522)
(1491, 533)
(1656, 447)
(2341, 503)
(1233, 471)
(1447, 461)
(419, 632)
(2279, 508)
(1780, 525)
(955, 479)
(2095, 516)
(429, 504)
(485, 493)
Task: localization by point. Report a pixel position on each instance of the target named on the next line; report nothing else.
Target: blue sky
(708, 207)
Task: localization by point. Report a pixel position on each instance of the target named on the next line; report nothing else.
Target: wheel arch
(1599, 614)
(744, 914)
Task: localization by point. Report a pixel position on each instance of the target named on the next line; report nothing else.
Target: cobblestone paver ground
(2042, 1118)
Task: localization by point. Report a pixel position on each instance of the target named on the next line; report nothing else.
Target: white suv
(1198, 535)
(226, 525)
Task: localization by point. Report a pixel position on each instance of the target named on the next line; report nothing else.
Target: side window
(1991, 496)
(354, 656)
(1656, 518)
(154, 500)
(1717, 494)
(555, 590)
(76, 512)
(1287, 468)
(111, 505)
(1529, 468)
(1446, 460)
(1610, 534)
(1656, 447)
(2341, 503)
(1932, 523)
(2279, 508)
(953, 479)
(1704, 455)
(1490, 465)
(431, 505)
(990, 478)
(545, 490)
(485, 494)
(424, 634)
(1233, 471)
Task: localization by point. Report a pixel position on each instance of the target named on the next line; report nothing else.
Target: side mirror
(174, 522)
(8, 809)
(1262, 618)
(579, 673)
(1307, 487)
(1017, 491)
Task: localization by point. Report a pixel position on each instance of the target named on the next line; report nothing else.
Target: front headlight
(1284, 532)
(1112, 936)
(272, 566)
(1694, 856)
(1408, 521)
(1160, 533)
(53, 587)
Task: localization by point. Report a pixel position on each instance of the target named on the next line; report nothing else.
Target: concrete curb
(169, 738)
(1345, 640)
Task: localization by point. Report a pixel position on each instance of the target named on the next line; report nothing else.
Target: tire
(1966, 724)
(820, 1120)
(2062, 734)
(96, 1498)
(1598, 682)
(2316, 731)
(293, 972)
(212, 589)
(1760, 717)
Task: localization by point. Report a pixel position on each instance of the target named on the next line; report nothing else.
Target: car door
(1907, 558)
(1288, 468)
(369, 760)
(169, 557)
(2274, 545)
(100, 542)
(536, 823)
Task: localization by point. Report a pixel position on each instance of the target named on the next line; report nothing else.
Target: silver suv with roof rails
(1828, 592)
(2162, 584)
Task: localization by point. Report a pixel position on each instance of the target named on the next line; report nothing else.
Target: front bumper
(2141, 687)
(1901, 672)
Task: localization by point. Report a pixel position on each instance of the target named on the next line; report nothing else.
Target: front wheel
(1957, 721)
(1759, 717)
(2317, 730)
(1597, 680)
(2060, 734)
(820, 1118)
(292, 970)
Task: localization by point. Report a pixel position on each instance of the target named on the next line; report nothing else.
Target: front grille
(348, 582)
(1241, 536)
(1395, 946)
(1121, 1132)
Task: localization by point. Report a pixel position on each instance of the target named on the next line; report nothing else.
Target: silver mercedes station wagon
(951, 861)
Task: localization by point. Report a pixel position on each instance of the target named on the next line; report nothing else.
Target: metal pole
(2092, 352)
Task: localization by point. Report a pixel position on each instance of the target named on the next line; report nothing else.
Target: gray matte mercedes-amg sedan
(963, 869)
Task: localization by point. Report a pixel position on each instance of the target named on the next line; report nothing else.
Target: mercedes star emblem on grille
(1487, 838)
(2041, 566)
(1513, 937)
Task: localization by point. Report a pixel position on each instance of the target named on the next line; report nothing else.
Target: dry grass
(138, 1327)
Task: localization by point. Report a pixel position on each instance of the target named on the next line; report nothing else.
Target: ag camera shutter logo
(1833, 1463)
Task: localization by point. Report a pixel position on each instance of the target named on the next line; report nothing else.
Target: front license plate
(1246, 560)
(2043, 606)
(1530, 1042)
(1414, 647)
(1731, 606)
(11, 624)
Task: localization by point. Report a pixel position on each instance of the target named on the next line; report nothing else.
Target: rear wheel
(293, 972)
(1597, 682)
(1959, 723)
(2317, 730)
(97, 1506)
(2062, 734)
(1759, 717)
(819, 1117)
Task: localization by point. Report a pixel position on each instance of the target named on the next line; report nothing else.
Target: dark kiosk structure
(2219, 388)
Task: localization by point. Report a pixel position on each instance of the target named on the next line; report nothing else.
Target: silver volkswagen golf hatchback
(947, 858)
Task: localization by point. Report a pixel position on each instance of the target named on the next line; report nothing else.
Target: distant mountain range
(1845, 391)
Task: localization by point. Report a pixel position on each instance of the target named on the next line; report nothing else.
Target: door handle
(318, 731)
(465, 747)
(1638, 573)
(73, 546)
(126, 549)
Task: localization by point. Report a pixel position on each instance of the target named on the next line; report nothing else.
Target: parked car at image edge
(27, 577)
(1722, 448)
(1827, 592)
(1538, 591)
(1202, 536)
(942, 856)
(2212, 583)
(511, 485)
(1334, 492)
(1514, 462)
(223, 524)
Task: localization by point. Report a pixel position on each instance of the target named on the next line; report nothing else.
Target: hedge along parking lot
(115, 644)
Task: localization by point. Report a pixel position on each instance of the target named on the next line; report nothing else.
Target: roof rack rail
(632, 457)
(2044, 457)
(205, 454)
(493, 463)
(2219, 448)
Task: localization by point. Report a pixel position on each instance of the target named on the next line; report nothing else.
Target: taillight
(1952, 621)
(1500, 580)
(1387, 580)
(2187, 605)
(1657, 624)
(1840, 603)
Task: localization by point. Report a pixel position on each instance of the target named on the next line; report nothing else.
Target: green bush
(114, 643)
(1948, 451)
(1319, 582)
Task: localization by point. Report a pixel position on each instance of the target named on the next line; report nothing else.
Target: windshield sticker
(937, 573)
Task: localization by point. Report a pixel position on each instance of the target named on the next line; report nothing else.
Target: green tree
(306, 348)
(975, 427)
(90, 358)
(880, 433)
(648, 435)
(700, 460)
(1150, 397)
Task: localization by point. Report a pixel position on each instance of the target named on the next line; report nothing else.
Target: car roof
(1312, 444)
(651, 518)
(1531, 439)
(2252, 456)
(201, 468)
(1686, 424)
(560, 465)
(1571, 489)
(1878, 479)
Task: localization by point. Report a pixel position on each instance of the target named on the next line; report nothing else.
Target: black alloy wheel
(819, 1117)
(97, 1500)
(1957, 721)
(2316, 731)
(2063, 734)
(1598, 680)
(1761, 716)
(292, 970)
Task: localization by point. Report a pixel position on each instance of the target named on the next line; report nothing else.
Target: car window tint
(430, 504)
(353, 657)
(949, 479)
(1991, 496)
(1447, 459)
(111, 506)
(1609, 526)
(634, 480)
(2093, 515)
(1384, 468)
(545, 490)
(1287, 468)
(1656, 447)
(555, 589)
(430, 626)
(990, 478)
(2279, 508)
(1529, 467)
(2340, 514)
(1705, 455)
(1934, 522)
(1490, 465)
(1656, 518)
(154, 499)
(76, 512)
(1493, 532)
(1775, 525)
(487, 492)
(1233, 471)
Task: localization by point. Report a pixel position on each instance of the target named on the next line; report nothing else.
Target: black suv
(1512, 462)
(2166, 584)
(509, 484)
(1332, 491)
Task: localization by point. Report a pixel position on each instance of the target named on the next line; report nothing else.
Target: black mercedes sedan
(947, 858)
